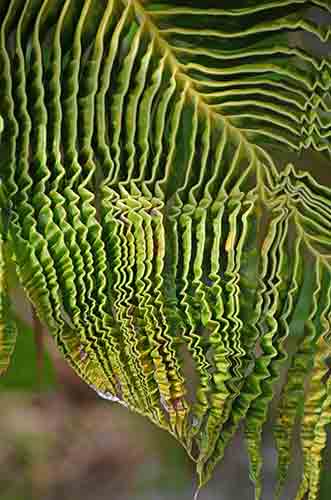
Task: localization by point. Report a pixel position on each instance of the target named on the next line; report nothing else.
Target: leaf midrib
(176, 67)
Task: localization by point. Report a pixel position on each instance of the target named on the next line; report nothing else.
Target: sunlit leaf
(159, 241)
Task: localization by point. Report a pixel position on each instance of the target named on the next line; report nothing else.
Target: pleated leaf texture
(179, 268)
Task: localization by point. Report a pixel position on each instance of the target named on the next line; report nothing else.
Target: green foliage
(23, 373)
(157, 238)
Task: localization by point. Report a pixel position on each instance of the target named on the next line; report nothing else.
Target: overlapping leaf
(150, 227)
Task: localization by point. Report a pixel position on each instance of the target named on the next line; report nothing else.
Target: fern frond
(152, 230)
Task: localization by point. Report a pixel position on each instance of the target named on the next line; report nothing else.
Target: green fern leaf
(153, 229)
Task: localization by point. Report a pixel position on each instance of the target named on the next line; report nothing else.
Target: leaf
(23, 374)
(8, 329)
(156, 237)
